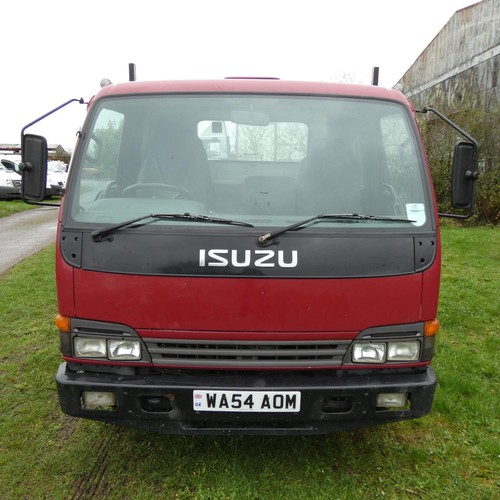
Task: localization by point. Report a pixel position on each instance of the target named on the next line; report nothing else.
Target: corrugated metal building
(461, 65)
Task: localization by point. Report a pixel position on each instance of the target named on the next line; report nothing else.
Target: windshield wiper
(267, 238)
(100, 234)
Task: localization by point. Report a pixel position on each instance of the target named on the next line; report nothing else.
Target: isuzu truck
(247, 256)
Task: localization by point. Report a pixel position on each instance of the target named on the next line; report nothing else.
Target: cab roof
(247, 85)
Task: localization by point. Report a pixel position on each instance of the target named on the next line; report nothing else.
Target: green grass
(452, 453)
(9, 207)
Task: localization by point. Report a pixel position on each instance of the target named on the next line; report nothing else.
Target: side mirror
(33, 167)
(464, 174)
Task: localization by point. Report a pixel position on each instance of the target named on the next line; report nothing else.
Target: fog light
(368, 353)
(93, 400)
(88, 347)
(392, 399)
(125, 350)
(403, 351)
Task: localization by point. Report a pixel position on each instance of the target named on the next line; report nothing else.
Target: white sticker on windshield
(416, 213)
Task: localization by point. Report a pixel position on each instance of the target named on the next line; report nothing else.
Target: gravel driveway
(25, 233)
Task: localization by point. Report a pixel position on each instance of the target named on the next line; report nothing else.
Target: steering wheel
(179, 192)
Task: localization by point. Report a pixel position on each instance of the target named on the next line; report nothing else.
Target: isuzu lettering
(248, 255)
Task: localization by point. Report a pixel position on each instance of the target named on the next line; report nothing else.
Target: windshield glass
(269, 161)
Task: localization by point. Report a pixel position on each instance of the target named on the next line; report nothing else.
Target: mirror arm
(457, 216)
(81, 101)
(450, 123)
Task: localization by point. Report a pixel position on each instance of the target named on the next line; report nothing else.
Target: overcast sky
(55, 50)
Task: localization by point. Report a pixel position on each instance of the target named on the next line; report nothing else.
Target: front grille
(240, 354)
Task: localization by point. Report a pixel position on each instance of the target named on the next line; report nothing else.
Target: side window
(403, 167)
(101, 155)
(402, 158)
(103, 148)
(225, 140)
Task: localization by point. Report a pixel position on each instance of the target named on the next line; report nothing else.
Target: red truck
(250, 256)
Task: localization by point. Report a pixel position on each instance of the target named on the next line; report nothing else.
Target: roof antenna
(131, 72)
(375, 75)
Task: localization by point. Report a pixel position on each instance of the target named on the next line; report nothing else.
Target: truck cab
(247, 256)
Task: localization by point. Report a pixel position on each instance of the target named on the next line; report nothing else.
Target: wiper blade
(267, 238)
(100, 234)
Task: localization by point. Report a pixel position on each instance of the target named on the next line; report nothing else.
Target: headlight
(126, 350)
(116, 349)
(85, 347)
(368, 353)
(403, 351)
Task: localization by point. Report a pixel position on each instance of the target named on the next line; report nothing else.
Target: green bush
(488, 196)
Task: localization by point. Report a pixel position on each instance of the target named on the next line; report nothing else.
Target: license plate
(247, 401)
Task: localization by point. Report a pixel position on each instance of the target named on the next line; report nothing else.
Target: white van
(10, 182)
(56, 178)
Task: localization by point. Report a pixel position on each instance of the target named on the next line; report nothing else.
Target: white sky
(55, 50)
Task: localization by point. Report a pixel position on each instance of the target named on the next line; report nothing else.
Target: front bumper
(164, 402)
(9, 192)
(54, 190)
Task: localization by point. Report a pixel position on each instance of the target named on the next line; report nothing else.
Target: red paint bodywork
(243, 307)
(249, 86)
(247, 304)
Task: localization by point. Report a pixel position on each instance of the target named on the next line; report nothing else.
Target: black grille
(239, 354)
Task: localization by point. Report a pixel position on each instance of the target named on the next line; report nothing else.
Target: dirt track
(24, 234)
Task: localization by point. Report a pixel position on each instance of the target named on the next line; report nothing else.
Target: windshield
(269, 161)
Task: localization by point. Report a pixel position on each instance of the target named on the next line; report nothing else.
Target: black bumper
(8, 192)
(164, 402)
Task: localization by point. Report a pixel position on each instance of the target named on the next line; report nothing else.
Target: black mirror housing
(464, 174)
(33, 167)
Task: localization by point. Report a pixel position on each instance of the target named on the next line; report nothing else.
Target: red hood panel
(247, 304)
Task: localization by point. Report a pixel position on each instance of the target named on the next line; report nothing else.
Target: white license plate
(247, 401)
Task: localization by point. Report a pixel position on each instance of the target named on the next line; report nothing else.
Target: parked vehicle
(277, 275)
(10, 182)
(11, 162)
(56, 178)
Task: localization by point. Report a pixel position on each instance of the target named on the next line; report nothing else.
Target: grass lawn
(9, 207)
(452, 453)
